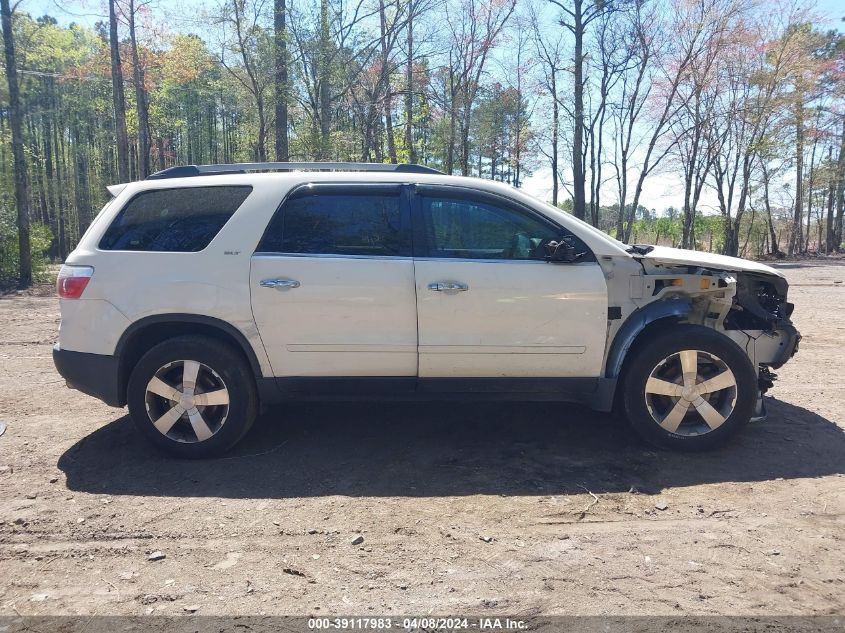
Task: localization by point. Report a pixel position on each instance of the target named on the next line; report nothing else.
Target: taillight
(72, 280)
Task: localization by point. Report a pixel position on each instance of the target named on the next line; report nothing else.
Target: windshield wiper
(640, 249)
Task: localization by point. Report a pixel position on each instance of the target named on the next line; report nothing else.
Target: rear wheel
(688, 387)
(192, 396)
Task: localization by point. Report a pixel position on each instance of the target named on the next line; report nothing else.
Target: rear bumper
(94, 374)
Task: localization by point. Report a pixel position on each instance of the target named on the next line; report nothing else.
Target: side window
(475, 229)
(342, 223)
(173, 220)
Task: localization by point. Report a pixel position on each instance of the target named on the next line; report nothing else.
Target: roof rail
(187, 171)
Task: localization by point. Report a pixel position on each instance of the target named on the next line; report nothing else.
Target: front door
(489, 305)
(332, 284)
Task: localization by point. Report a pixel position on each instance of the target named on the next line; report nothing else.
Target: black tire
(645, 357)
(226, 366)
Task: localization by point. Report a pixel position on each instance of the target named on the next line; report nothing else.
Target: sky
(661, 190)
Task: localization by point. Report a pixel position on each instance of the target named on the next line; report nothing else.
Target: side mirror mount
(562, 251)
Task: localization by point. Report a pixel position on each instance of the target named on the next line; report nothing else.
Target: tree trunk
(324, 79)
(261, 149)
(773, 238)
(840, 192)
(280, 34)
(465, 120)
(19, 162)
(409, 88)
(61, 218)
(795, 236)
(48, 173)
(831, 193)
(578, 175)
(81, 197)
(388, 91)
(141, 105)
(41, 197)
(810, 183)
(118, 99)
(555, 137)
(453, 116)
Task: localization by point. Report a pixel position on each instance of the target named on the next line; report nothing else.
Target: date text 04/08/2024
(417, 623)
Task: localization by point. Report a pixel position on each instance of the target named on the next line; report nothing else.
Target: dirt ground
(517, 509)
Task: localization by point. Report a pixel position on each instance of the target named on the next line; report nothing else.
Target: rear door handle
(445, 286)
(279, 284)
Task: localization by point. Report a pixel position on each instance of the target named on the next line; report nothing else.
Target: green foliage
(40, 240)
(212, 99)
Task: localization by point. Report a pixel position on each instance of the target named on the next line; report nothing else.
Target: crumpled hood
(664, 254)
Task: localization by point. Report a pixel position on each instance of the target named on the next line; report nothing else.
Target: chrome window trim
(268, 255)
(504, 261)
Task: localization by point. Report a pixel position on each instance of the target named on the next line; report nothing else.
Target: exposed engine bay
(749, 307)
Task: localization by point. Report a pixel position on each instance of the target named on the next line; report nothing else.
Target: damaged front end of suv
(745, 301)
(761, 313)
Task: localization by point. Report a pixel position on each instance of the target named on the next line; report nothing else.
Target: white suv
(204, 292)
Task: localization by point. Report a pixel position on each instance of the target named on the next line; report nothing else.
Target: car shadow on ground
(445, 449)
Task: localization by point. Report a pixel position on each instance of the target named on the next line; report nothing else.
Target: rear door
(332, 284)
(489, 305)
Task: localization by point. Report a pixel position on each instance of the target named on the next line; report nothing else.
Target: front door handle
(445, 286)
(279, 284)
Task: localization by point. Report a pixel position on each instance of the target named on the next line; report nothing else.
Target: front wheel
(192, 396)
(688, 387)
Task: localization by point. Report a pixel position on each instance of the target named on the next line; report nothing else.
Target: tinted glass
(338, 224)
(471, 229)
(173, 220)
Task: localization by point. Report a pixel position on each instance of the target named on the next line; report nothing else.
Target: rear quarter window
(183, 219)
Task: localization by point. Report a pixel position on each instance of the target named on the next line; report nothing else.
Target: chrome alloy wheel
(691, 392)
(187, 401)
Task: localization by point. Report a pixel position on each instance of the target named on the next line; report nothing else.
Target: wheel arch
(149, 331)
(638, 325)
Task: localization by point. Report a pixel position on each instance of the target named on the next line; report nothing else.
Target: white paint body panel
(363, 316)
(213, 282)
(90, 325)
(665, 254)
(350, 316)
(516, 319)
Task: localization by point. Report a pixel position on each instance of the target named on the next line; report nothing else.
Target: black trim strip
(219, 324)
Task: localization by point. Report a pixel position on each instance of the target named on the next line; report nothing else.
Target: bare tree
(244, 37)
(691, 32)
(691, 130)
(840, 192)
(474, 26)
(281, 78)
(549, 51)
(413, 9)
(389, 32)
(118, 98)
(332, 54)
(748, 110)
(577, 16)
(141, 99)
(612, 56)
